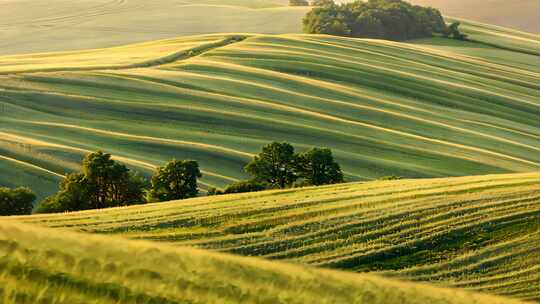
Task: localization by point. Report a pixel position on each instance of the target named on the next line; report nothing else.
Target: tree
(322, 2)
(176, 180)
(109, 183)
(18, 201)
(318, 167)
(275, 165)
(298, 3)
(380, 19)
(102, 183)
(73, 196)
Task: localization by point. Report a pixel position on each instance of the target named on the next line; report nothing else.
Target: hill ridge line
(177, 56)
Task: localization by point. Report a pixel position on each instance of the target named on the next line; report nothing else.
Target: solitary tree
(275, 165)
(176, 180)
(318, 167)
(17, 201)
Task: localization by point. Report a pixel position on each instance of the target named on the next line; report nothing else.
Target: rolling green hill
(477, 233)
(41, 266)
(428, 108)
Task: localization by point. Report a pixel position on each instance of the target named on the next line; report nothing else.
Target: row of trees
(278, 166)
(104, 183)
(379, 19)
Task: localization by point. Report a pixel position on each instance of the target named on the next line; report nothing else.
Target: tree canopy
(318, 167)
(378, 19)
(279, 166)
(176, 180)
(102, 183)
(16, 201)
(275, 165)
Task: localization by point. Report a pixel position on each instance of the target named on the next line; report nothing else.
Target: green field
(62, 25)
(428, 108)
(41, 266)
(475, 233)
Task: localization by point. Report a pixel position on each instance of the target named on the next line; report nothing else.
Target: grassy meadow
(42, 266)
(429, 108)
(149, 81)
(478, 233)
(63, 25)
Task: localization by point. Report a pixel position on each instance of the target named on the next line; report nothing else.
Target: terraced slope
(41, 266)
(385, 108)
(478, 233)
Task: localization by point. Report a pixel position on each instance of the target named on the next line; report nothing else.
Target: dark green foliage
(17, 201)
(318, 167)
(298, 3)
(453, 31)
(279, 167)
(275, 165)
(102, 183)
(72, 196)
(390, 177)
(110, 183)
(177, 180)
(239, 187)
(380, 19)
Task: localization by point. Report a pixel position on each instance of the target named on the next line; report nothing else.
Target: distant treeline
(105, 183)
(379, 19)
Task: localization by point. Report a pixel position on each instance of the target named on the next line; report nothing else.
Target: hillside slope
(386, 108)
(62, 25)
(478, 233)
(38, 267)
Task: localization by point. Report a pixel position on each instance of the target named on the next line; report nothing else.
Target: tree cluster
(105, 183)
(378, 19)
(16, 201)
(280, 167)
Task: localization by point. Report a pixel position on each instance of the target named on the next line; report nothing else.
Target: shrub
(391, 177)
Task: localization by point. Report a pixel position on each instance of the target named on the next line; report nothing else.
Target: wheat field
(479, 233)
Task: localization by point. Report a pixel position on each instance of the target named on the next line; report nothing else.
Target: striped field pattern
(43, 266)
(476, 233)
(431, 108)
